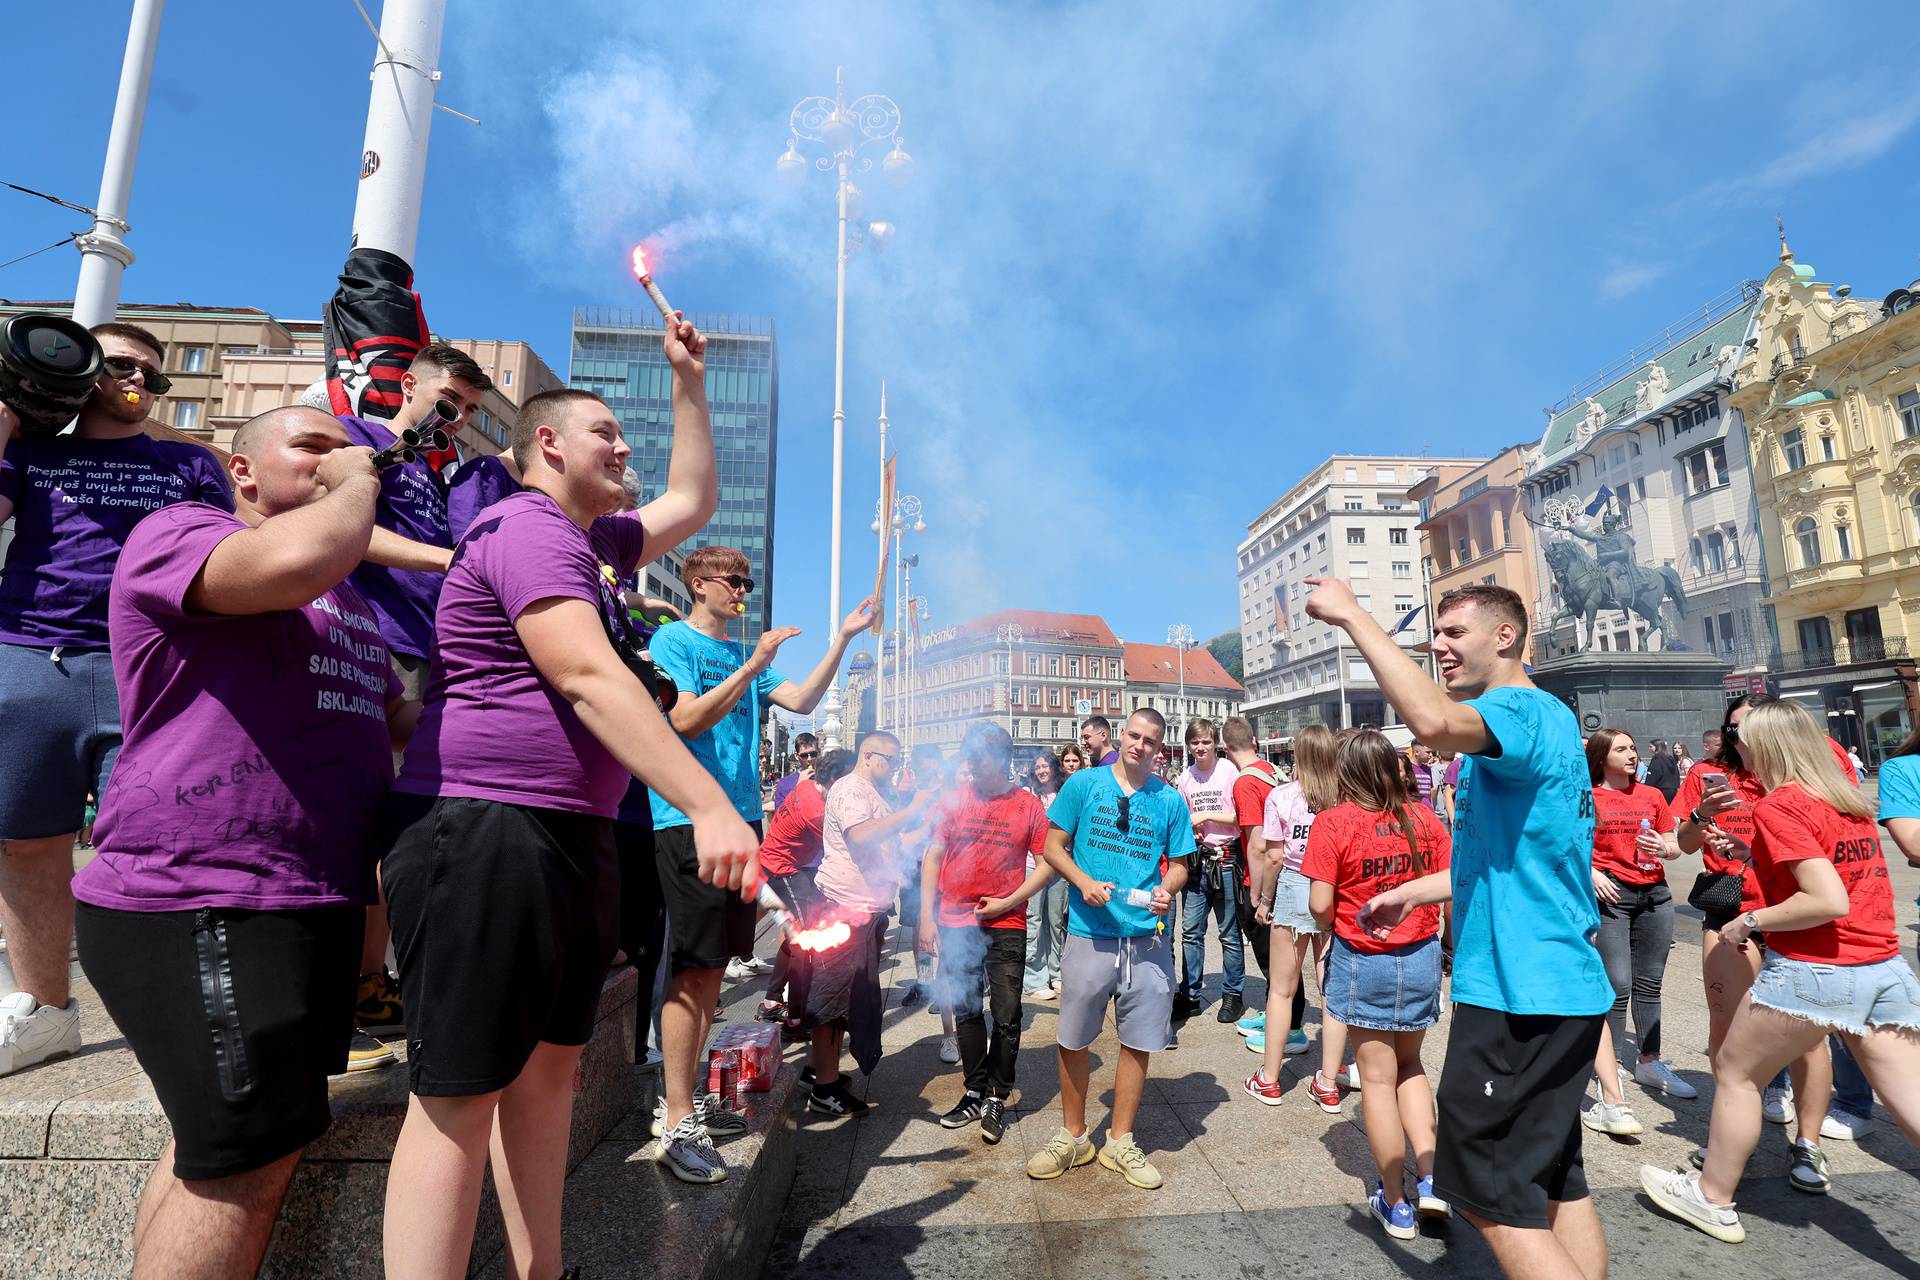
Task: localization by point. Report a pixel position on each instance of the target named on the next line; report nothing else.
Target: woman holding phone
(1715, 807)
(1833, 960)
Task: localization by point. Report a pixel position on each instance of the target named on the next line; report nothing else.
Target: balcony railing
(1839, 654)
(1787, 360)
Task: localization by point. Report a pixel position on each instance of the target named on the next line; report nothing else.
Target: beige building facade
(1474, 527)
(1830, 390)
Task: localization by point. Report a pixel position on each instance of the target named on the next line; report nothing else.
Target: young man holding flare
(1131, 835)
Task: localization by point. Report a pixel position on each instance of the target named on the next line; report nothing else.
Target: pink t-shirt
(492, 727)
(1286, 821)
(1211, 792)
(256, 749)
(865, 882)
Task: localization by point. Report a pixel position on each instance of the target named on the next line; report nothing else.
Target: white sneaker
(32, 1033)
(949, 1049)
(739, 970)
(689, 1153)
(1657, 1074)
(1845, 1126)
(755, 965)
(1044, 993)
(1614, 1118)
(1351, 1076)
(1679, 1194)
(1777, 1105)
(714, 1117)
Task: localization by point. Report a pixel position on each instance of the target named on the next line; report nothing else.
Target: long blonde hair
(1316, 767)
(1788, 745)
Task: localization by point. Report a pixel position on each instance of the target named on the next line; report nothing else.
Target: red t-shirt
(1363, 854)
(985, 843)
(1791, 826)
(793, 835)
(1249, 805)
(1737, 821)
(1616, 825)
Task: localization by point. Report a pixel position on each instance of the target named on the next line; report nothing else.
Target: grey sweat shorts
(1135, 974)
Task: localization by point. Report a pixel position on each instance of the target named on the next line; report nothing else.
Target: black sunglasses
(738, 582)
(1126, 814)
(155, 381)
(806, 755)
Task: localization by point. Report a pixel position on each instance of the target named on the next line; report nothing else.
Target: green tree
(1226, 647)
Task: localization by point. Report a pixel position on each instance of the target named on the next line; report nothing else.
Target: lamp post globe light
(832, 135)
(1180, 636)
(1009, 634)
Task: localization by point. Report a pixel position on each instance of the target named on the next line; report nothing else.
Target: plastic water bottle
(1140, 898)
(1644, 860)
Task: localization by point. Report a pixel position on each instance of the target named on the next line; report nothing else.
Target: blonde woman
(1833, 961)
(1280, 893)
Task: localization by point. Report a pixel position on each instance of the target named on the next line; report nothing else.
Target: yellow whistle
(740, 609)
(133, 397)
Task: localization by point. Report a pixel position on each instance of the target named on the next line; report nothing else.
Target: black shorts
(706, 926)
(797, 892)
(238, 1018)
(1509, 1105)
(505, 918)
(841, 977)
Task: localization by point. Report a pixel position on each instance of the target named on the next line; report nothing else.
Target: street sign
(1082, 707)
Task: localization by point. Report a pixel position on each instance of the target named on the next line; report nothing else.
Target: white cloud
(1627, 278)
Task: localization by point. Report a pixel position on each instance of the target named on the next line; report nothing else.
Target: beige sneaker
(1124, 1156)
(1062, 1152)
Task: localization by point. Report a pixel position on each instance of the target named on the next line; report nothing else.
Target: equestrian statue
(1610, 578)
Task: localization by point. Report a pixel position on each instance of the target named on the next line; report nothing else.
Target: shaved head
(263, 429)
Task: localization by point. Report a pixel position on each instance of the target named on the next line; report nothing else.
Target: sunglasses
(1126, 814)
(806, 755)
(156, 381)
(737, 581)
(891, 760)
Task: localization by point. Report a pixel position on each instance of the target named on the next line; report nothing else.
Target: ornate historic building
(1645, 464)
(1830, 389)
(1474, 527)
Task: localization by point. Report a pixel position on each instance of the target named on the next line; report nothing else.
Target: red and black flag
(374, 329)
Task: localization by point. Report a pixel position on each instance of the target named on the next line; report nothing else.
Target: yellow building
(1830, 391)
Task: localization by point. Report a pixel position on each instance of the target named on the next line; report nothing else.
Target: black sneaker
(993, 1120)
(806, 1076)
(1231, 1007)
(1184, 1007)
(836, 1100)
(912, 996)
(964, 1113)
(771, 1011)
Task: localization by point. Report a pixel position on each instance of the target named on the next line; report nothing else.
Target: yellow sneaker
(1124, 1156)
(1062, 1152)
(378, 1006)
(364, 1053)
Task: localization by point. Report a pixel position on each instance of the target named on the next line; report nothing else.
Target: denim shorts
(1290, 904)
(1848, 997)
(63, 735)
(1385, 990)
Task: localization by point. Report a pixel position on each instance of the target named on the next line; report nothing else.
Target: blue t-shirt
(1159, 828)
(730, 751)
(1524, 918)
(1900, 788)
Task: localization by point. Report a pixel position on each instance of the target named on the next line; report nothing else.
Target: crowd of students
(323, 703)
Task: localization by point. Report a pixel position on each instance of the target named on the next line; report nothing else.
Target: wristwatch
(1751, 921)
(1697, 820)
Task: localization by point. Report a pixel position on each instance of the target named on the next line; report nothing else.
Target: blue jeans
(1213, 889)
(1851, 1092)
(1046, 935)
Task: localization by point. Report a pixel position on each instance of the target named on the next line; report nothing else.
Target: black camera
(49, 366)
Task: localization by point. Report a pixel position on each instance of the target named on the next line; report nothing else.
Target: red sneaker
(1327, 1095)
(1262, 1090)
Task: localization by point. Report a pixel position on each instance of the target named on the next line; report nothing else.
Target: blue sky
(1156, 261)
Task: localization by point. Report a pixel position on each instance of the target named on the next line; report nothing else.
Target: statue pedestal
(1675, 696)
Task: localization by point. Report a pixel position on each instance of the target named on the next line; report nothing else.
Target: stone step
(77, 1139)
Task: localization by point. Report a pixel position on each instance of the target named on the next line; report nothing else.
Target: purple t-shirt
(413, 504)
(256, 747)
(479, 483)
(74, 502)
(492, 727)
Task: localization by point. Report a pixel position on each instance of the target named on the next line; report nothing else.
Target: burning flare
(645, 278)
(825, 938)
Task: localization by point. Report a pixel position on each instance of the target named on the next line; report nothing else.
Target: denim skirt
(1386, 990)
(1846, 997)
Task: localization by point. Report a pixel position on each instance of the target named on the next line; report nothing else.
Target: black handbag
(1716, 893)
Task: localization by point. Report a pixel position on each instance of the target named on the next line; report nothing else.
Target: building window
(1353, 473)
(1352, 504)
(1707, 469)
(1699, 561)
(506, 378)
(1073, 665)
(1402, 603)
(1383, 475)
(1913, 504)
(193, 359)
(1356, 537)
(1908, 402)
(1843, 541)
(1397, 537)
(1807, 534)
(1365, 601)
(1403, 568)
(1716, 552)
(1391, 504)
(1827, 452)
(1356, 568)
(186, 415)
(1619, 455)
(1793, 449)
